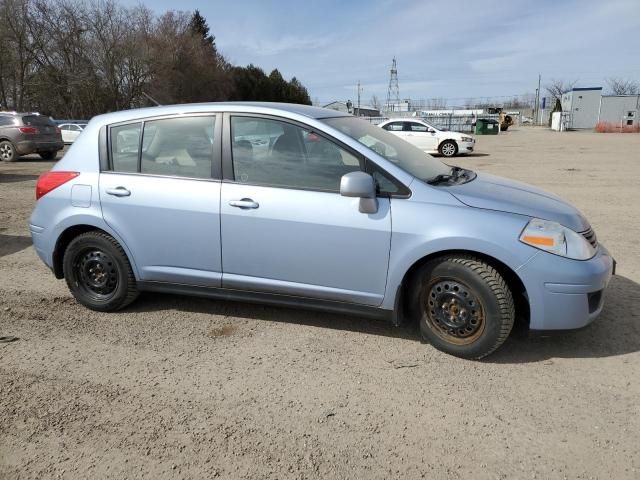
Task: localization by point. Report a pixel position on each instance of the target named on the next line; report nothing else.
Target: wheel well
(520, 297)
(63, 242)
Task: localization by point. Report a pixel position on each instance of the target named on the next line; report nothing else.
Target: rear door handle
(118, 192)
(245, 203)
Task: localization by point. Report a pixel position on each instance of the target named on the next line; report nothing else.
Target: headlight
(466, 139)
(557, 239)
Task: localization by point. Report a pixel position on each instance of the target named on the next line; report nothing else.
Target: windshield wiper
(440, 178)
(453, 176)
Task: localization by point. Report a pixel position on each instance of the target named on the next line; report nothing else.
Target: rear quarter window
(125, 145)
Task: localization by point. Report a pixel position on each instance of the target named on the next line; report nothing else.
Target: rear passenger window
(125, 145)
(176, 147)
(181, 147)
(394, 127)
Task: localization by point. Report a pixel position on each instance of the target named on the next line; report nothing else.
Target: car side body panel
(423, 228)
(52, 217)
(171, 224)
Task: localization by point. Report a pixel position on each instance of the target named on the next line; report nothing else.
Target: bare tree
(621, 86)
(375, 102)
(556, 88)
(77, 58)
(17, 53)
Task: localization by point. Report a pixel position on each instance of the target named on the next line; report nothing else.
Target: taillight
(29, 130)
(51, 180)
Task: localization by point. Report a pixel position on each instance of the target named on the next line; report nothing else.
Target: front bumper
(466, 147)
(566, 294)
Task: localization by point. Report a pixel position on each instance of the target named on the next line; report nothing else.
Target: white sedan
(70, 131)
(430, 139)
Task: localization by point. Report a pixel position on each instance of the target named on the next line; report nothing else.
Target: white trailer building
(583, 108)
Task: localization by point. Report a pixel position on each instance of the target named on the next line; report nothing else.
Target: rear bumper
(41, 244)
(566, 294)
(26, 147)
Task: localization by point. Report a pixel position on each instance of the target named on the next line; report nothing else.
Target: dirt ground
(177, 387)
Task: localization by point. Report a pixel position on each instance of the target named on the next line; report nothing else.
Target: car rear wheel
(464, 306)
(98, 272)
(448, 148)
(48, 155)
(7, 152)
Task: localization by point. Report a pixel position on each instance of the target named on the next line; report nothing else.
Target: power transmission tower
(393, 94)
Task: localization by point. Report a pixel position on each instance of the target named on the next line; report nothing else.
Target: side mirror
(362, 185)
(431, 130)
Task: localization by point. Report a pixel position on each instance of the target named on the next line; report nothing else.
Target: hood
(497, 193)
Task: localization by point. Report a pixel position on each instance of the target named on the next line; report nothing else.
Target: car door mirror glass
(363, 186)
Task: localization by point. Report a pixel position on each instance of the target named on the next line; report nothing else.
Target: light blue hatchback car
(302, 206)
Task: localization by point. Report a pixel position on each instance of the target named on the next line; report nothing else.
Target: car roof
(248, 107)
(404, 119)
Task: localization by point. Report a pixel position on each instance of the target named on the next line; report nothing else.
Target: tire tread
(132, 290)
(492, 279)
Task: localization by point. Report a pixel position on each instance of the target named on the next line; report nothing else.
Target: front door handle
(245, 203)
(118, 192)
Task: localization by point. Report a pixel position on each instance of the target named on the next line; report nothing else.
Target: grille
(590, 235)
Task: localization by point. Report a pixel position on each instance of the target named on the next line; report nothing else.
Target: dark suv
(25, 133)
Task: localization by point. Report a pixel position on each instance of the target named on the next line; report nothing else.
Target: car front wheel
(98, 272)
(7, 152)
(463, 305)
(448, 148)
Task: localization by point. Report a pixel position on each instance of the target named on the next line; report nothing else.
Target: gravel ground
(177, 387)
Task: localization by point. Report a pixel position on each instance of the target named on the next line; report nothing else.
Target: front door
(285, 227)
(161, 198)
(421, 136)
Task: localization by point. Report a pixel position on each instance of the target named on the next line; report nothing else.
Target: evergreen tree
(199, 26)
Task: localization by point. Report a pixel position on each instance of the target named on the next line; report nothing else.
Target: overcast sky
(451, 49)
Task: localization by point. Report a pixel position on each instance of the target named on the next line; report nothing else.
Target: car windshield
(401, 153)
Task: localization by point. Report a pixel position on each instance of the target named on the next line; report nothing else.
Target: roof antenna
(152, 99)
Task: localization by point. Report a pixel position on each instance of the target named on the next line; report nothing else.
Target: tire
(448, 148)
(98, 272)
(463, 305)
(48, 155)
(8, 152)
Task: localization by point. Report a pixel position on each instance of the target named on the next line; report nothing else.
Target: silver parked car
(302, 206)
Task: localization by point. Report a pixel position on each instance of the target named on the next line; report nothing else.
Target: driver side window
(280, 154)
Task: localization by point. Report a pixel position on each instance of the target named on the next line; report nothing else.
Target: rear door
(285, 227)
(161, 194)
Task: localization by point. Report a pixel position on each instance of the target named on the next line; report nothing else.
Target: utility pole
(359, 98)
(538, 101)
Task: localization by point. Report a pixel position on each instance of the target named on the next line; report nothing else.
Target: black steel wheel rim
(454, 311)
(96, 273)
